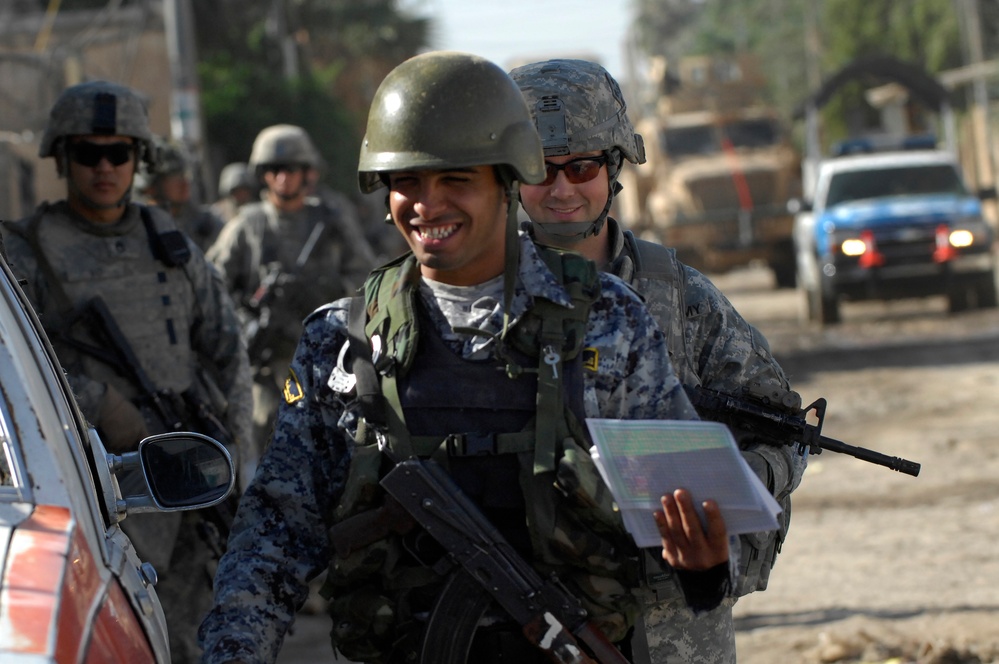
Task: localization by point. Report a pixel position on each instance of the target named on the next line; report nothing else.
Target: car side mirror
(172, 472)
(987, 193)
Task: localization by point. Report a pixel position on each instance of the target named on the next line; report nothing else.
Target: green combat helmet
(97, 108)
(578, 107)
(420, 118)
(283, 144)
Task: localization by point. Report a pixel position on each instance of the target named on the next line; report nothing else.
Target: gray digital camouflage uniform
(710, 345)
(182, 326)
(261, 242)
(578, 109)
(279, 540)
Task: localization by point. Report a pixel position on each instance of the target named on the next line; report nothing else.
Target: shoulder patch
(292, 388)
(591, 359)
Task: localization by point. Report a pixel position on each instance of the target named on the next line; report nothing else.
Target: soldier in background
(283, 257)
(582, 118)
(237, 187)
(167, 184)
(165, 306)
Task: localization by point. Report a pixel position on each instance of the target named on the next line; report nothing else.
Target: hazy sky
(511, 32)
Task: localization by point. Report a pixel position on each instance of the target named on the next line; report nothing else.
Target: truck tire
(784, 273)
(985, 292)
(972, 292)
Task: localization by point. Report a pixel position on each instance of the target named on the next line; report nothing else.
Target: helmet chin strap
(577, 231)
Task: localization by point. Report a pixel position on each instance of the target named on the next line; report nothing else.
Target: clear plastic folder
(642, 460)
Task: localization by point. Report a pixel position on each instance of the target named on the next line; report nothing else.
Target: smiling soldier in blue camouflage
(485, 353)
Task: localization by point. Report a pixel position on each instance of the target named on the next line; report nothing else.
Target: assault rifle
(259, 304)
(175, 412)
(782, 421)
(482, 568)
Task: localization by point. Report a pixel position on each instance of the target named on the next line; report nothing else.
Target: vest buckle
(470, 444)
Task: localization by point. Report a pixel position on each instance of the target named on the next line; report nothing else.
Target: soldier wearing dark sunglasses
(581, 116)
(174, 315)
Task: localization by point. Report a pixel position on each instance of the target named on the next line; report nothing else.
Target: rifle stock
(756, 414)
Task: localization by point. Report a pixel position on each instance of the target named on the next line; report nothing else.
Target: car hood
(901, 210)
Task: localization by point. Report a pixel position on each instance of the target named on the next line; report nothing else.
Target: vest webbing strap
(369, 393)
(475, 444)
(550, 403)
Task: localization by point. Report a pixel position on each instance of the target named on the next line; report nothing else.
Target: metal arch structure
(921, 84)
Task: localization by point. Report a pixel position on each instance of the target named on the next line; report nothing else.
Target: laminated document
(642, 460)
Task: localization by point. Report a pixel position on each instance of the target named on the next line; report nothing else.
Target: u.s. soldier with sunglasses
(581, 116)
(167, 301)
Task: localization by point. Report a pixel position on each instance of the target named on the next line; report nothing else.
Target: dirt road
(879, 566)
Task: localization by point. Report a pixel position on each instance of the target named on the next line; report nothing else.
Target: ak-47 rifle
(482, 568)
(175, 412)
(755, 412)
(259, 304)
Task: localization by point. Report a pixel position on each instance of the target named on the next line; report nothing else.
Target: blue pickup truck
(893, 225)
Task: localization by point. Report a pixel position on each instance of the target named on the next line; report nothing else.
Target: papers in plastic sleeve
(642, 460)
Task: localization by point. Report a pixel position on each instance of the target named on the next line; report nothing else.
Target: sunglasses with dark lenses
(291, 169)
(577, 171)
(90, 154)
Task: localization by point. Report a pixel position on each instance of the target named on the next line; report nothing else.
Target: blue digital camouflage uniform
(279, 540)
(710, 345)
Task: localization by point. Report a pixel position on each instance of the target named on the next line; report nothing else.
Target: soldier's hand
(120, 423)
(687, 545)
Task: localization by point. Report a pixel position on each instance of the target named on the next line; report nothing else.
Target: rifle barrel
(895, 463)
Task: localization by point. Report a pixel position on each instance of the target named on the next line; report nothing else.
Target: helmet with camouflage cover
(97, 108)
(234, 176)
(168, 159)
(578, 107)
(420, 118)
(283, 144)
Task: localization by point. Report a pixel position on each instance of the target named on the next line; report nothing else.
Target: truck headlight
(961, 238)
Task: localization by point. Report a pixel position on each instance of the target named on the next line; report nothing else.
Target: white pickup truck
(893, 225)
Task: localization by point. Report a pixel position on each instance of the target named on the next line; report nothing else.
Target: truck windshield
(688, 141)
(905, 181)
(704, 139)
(752, 133)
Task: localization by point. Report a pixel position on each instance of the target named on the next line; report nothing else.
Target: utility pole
(971, 22)
(186, 123)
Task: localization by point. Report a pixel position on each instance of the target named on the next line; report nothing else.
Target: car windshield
(906, 181)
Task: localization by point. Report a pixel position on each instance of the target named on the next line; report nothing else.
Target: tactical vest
(495, 425)
(152, 302)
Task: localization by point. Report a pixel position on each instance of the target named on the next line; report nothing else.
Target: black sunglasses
(90, 154)
(291, 169)
(577, 171)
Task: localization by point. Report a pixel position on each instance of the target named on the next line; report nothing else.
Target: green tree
(314, 63)
(924, 33)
